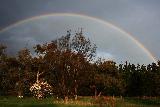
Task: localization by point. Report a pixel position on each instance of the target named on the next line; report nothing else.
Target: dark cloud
(139, 17)
(116, 44)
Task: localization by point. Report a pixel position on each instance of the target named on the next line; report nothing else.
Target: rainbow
(90, 18)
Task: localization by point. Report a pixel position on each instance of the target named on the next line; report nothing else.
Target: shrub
(41, 89)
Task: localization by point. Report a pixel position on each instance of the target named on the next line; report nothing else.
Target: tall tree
(66, 61)
(25, 72)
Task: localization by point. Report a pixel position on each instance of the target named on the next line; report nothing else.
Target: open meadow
(81, 102)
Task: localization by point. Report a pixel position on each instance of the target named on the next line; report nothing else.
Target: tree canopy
(68, 65)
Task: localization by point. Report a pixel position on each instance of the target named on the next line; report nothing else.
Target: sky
(140, 18)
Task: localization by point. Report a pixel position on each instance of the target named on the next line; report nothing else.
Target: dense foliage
(68, 66)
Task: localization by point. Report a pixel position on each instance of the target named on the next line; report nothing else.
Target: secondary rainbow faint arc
(90, 18)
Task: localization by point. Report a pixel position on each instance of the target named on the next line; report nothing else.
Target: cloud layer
(115, 44)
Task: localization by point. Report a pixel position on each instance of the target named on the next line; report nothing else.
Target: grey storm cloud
(138, 17)
(117, 45)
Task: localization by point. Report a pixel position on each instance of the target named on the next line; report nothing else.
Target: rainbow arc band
(128, 35)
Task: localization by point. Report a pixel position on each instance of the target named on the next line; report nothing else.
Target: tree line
(68, 65)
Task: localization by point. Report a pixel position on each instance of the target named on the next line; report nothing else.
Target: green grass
(31, 102)
(138, 102)
(149, 102)
(49, 102)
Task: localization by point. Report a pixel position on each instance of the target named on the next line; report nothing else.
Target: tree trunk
(66, 99)
(37, 77)
(95, 92)
(75, 90)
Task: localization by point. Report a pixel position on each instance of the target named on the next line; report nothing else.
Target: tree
(66, 62)
(25, 72)
(8, 72)
(107, 80)
(3, 70)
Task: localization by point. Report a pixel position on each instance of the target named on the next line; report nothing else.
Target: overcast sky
(141, 18)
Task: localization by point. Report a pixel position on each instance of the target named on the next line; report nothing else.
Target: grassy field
(85, 101)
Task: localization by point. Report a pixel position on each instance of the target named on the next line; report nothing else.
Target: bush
(41, 89)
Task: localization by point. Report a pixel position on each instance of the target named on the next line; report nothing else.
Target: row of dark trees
(67, 65)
